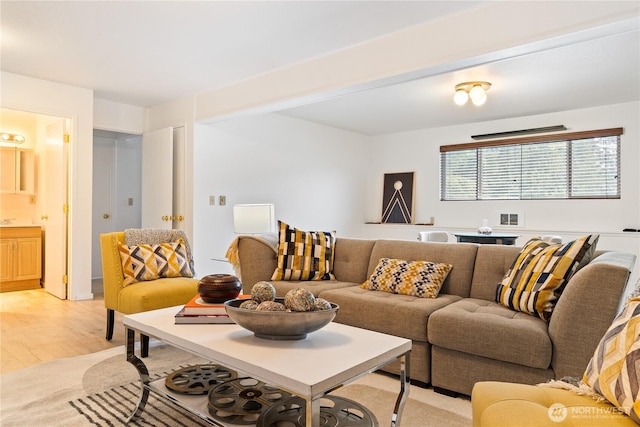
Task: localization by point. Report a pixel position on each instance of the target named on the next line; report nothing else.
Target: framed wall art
(397, 198)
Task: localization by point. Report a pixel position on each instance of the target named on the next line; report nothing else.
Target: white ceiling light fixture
(474, 90)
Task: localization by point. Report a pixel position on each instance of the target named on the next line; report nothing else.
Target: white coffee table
(310, 368)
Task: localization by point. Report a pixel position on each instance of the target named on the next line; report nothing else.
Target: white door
(103, 184)
(179, 206)
(56, 209)
(157, 179)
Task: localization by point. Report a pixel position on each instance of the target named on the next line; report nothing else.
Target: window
(562, 166)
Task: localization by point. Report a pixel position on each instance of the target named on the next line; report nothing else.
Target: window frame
(568, 137)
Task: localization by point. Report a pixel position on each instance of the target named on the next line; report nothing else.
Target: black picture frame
(397, 198)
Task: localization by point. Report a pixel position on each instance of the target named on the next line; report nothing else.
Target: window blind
(569, 165)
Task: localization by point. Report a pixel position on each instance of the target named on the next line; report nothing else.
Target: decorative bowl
(218, 288)
(279, 325)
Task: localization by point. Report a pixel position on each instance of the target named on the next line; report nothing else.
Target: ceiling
(145, 53)
(596, 72)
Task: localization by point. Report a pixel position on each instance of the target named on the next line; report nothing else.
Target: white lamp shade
(254, 219)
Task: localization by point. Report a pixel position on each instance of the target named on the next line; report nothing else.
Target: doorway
(46, 203)
(117, 174)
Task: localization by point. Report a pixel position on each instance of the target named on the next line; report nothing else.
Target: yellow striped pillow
(539, 274)
(304, 255)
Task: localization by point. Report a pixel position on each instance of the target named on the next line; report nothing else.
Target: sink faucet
(7, 220)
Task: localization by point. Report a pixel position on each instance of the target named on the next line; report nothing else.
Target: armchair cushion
(160, 293)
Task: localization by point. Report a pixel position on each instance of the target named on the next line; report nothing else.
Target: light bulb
(480, 99)
(476, 92)
(460, 97)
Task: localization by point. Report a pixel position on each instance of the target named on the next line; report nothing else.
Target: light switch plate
(222, 200)
(212, 200)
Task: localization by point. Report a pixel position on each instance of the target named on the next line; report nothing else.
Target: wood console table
(487, 239)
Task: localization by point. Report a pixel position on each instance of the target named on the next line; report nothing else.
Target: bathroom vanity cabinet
(20, 257)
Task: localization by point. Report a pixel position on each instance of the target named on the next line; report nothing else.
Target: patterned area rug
(101, 389)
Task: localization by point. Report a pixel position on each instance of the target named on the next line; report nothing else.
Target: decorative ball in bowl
(279, 325)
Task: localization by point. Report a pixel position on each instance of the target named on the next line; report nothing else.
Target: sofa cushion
(304, 255)
(401, 315)
(490, 330)
(539, 273)
(614, 370)
(351, 259)
(417, 278)
(314, 286)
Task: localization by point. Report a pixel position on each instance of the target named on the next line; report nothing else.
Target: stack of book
(198, 311)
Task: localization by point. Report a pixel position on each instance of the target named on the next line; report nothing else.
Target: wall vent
(520, 132)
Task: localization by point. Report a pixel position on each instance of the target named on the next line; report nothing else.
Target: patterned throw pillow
(138, 263)
(539, 274)
(614, 372)
(150, 262)
(304, 255)
(417, 278)
(172, 259)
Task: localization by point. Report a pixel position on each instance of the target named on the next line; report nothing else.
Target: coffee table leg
(312, 413)
(142, 371)
(404, 390)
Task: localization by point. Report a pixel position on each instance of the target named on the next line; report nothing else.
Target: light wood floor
(36, 327)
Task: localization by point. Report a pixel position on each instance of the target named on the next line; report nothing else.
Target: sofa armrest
(584, 312)
(112, 276)
(258, 261)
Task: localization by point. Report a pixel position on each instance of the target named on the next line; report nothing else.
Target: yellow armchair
(140, 296)
(502, 404)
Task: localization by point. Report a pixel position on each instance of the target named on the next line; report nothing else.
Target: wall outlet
(222, 200)
(130, 201)
(212, 200)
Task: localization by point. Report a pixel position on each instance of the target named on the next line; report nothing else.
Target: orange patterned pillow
(417, 278)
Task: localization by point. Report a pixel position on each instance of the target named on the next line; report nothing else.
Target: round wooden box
(218, 288)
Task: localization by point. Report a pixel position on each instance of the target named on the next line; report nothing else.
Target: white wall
(418, 151)
(109, 115)
(41, 96)
(313, 174)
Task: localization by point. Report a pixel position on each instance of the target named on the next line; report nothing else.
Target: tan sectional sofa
(463, 336)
